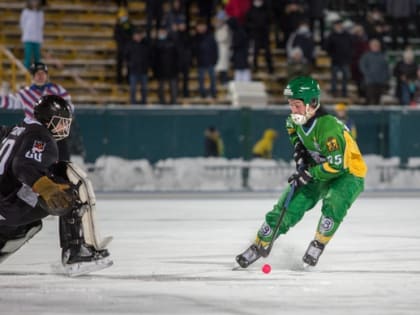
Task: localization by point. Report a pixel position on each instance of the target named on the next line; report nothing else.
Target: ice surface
(175, 256)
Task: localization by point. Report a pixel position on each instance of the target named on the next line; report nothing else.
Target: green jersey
(331, 146)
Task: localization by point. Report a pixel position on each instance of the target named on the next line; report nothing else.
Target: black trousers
(18, 213)
(374, 92)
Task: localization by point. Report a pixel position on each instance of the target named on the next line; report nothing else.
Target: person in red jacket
(238, 9)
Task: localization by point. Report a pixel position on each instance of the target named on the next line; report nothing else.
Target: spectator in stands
(32, 26)
(317, 10)
(258, 24)
(205, 53)
(240, 46)
(223, 37)
(264, 147)
(295, 11)
(154, 13)
(297, 65)
(123, 33)
(138, 55)
(238, 9)
(375, 25)
(400, 12)
(165, 65)
(277, 10)
(26, 97)
(175, 22)
(183, 44)
(341, 111)
(173, 15)
(213, 143)
(374, 67)
(340, 49)
(206, 10)
(360, 46)
(405, 71)
(187, 7)
(303, 39)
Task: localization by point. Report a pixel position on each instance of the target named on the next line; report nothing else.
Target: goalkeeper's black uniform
(26, 154)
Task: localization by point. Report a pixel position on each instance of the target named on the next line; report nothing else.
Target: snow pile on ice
(111, 173)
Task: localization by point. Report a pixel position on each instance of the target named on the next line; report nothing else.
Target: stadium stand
(80, 50)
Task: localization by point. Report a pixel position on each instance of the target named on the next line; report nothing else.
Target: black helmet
(35, 67)
(55, 113)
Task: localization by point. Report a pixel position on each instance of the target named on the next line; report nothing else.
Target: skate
(249, 256)
(313, 252)
(84, 259)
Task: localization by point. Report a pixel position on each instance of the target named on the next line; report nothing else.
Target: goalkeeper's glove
(57, 197)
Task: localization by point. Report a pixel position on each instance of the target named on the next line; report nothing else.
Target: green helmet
(304, 88)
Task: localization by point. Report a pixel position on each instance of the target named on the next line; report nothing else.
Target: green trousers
(337, 196)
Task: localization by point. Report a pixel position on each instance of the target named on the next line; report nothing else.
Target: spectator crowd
(227, 40)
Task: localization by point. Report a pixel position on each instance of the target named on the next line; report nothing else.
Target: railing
(16, 66)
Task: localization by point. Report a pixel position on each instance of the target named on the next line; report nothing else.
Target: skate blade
(241, 269)
(83, 268)
(237, 267)
(307, 267)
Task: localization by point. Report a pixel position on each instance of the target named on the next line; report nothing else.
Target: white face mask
(300, 119)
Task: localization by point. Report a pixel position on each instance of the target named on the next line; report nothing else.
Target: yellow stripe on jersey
(328, 168)
(353, 159)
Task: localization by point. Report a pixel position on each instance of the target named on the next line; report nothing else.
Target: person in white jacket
(32, 27)
(224, 42)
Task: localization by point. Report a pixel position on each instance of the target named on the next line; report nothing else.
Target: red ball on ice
(266, 268)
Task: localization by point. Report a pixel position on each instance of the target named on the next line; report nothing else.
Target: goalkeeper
(329, 167)
(34, 185)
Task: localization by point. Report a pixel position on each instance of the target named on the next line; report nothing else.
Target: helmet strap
(312, 107)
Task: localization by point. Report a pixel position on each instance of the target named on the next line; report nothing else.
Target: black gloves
(300, 155)
(300, 178)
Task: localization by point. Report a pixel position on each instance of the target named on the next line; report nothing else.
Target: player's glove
(300, 178)
(57, 197)
(300, 155)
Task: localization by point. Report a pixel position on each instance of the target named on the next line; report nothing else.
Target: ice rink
(175, 256)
